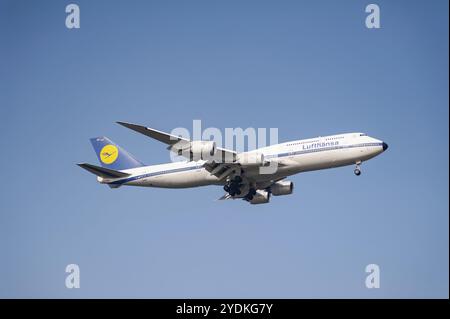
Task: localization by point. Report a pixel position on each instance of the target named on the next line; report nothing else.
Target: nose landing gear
(357, 170)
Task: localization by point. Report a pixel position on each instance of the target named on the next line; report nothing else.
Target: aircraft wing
(170, 139)
(221, 169)
(225, 197)
(166, 138)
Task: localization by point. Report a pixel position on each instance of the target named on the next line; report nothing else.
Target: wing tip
(132, 126)
(124, 123)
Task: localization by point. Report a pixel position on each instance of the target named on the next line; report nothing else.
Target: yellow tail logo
(109, 154)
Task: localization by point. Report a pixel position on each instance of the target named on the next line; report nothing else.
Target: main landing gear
(357, 170)
(233, 187)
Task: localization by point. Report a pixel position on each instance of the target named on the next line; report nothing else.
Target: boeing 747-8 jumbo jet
(253, 176)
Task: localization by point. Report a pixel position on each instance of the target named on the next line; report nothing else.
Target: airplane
(240, 174)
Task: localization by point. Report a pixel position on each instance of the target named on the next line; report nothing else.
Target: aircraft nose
(385, 146)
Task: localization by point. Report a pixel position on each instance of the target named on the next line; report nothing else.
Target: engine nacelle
(282, 188)
(261, 197)
(199, 150)
(250, 159)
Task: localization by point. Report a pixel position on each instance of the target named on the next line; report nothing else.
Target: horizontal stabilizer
(103, 172)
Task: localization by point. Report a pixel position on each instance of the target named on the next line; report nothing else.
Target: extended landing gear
(357, 170)
(233, 187)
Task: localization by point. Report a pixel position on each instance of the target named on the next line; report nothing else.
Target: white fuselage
(292, 158)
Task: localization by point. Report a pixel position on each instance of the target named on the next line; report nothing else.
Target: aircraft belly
(288, 165)
(334, 158)
(323, 160)
(194, 178)
(315, 161)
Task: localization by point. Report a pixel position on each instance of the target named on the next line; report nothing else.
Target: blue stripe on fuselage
(169, 171)
(185, 169)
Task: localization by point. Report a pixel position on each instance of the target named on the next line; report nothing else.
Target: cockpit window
(362, 134)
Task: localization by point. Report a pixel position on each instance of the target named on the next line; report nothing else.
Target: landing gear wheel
(233, 186)
(357, 171)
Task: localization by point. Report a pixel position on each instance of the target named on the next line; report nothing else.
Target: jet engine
(250, 159)
(261, 197)
(198, 150)
(282, 188)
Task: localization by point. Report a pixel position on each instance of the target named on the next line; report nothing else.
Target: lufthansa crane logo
(109, 153)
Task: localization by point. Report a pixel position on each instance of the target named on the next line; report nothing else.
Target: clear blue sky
(308, 68)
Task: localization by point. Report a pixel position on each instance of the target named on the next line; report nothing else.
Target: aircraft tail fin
(112, 156)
